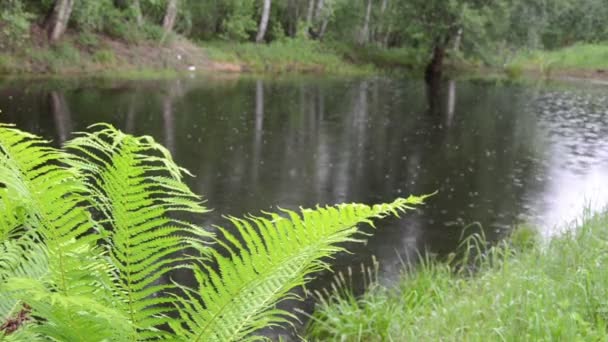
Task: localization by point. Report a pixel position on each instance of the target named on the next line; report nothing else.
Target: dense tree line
(473, 26)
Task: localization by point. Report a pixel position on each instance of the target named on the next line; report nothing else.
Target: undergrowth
(517, 290)
(290, 55)
(575, 57)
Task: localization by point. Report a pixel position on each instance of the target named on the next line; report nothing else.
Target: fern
(277, 254)
(53, 211)
(135, 183)
(89, 234)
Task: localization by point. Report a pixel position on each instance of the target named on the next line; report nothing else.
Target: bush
(106, 57)
(7, 64)
(91, 15)
(514, 71)
(56, 58)
(14, 24)
(88, 39)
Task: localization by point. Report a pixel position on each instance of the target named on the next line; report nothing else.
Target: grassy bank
(583, 60)
(89, 53)
(309, 56)
(517, 291)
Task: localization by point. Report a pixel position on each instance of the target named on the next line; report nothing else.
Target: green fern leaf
(137, 186)
(48, 207)
(276, 254)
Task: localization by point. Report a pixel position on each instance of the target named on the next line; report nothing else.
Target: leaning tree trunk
(170, 15)
(263, 22)
(364, 35)
(58, 19)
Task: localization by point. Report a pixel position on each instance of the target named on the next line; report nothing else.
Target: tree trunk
(364, 35)
(458, 39)
(434, 69)
(381, 25)
(139, 18)
(319, 9)
(292, 18)
(58, 20)
(323, 28)
(310, 12)
(170, 15)
(263, 22)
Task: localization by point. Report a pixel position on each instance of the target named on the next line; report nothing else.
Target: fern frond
(49, 226)
(139, 189)
(275, 254)
(68, 318)
(50, 195)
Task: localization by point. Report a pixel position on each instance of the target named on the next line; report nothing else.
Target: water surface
(499, 154)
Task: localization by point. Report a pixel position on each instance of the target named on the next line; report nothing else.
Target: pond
(498, 153)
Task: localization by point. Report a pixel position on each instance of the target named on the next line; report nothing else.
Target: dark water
(499, 154)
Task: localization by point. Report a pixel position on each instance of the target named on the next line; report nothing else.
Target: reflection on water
(498, 154)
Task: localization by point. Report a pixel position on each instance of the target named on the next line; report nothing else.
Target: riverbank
(95, 54)
(585, 61)
(87, 53)
(518, 290)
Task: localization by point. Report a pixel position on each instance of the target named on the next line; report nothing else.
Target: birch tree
(58, 19)
(263, 22)
(170, 15)
(364, 34)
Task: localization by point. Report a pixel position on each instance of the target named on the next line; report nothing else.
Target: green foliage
(8, 65)
(88, 39)
(299, 55)
(580, 56)
(14, 24)
(89, 234)
(58, 57)
(517, 290)
(92, 15)
(105, 57)
(239, 24)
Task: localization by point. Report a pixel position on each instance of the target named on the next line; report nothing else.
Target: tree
(364, 35)
(170, 15)
(435, 23)
(58, 19)
(263, 22)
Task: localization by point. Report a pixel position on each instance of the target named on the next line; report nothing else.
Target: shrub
(88, 39)
(514, 71)
(88, 233)
(106, 57)
(7, 64)
(14, 24)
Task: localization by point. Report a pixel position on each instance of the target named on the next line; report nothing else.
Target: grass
(584, 57)
(515, 291)
(289, 55)
(303, 55)
(406, 58)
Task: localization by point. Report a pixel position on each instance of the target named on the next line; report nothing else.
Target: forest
(419, 33)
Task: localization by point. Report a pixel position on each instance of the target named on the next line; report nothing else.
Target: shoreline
(111, 58)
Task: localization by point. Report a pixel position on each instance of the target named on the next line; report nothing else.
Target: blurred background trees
(485, 29)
